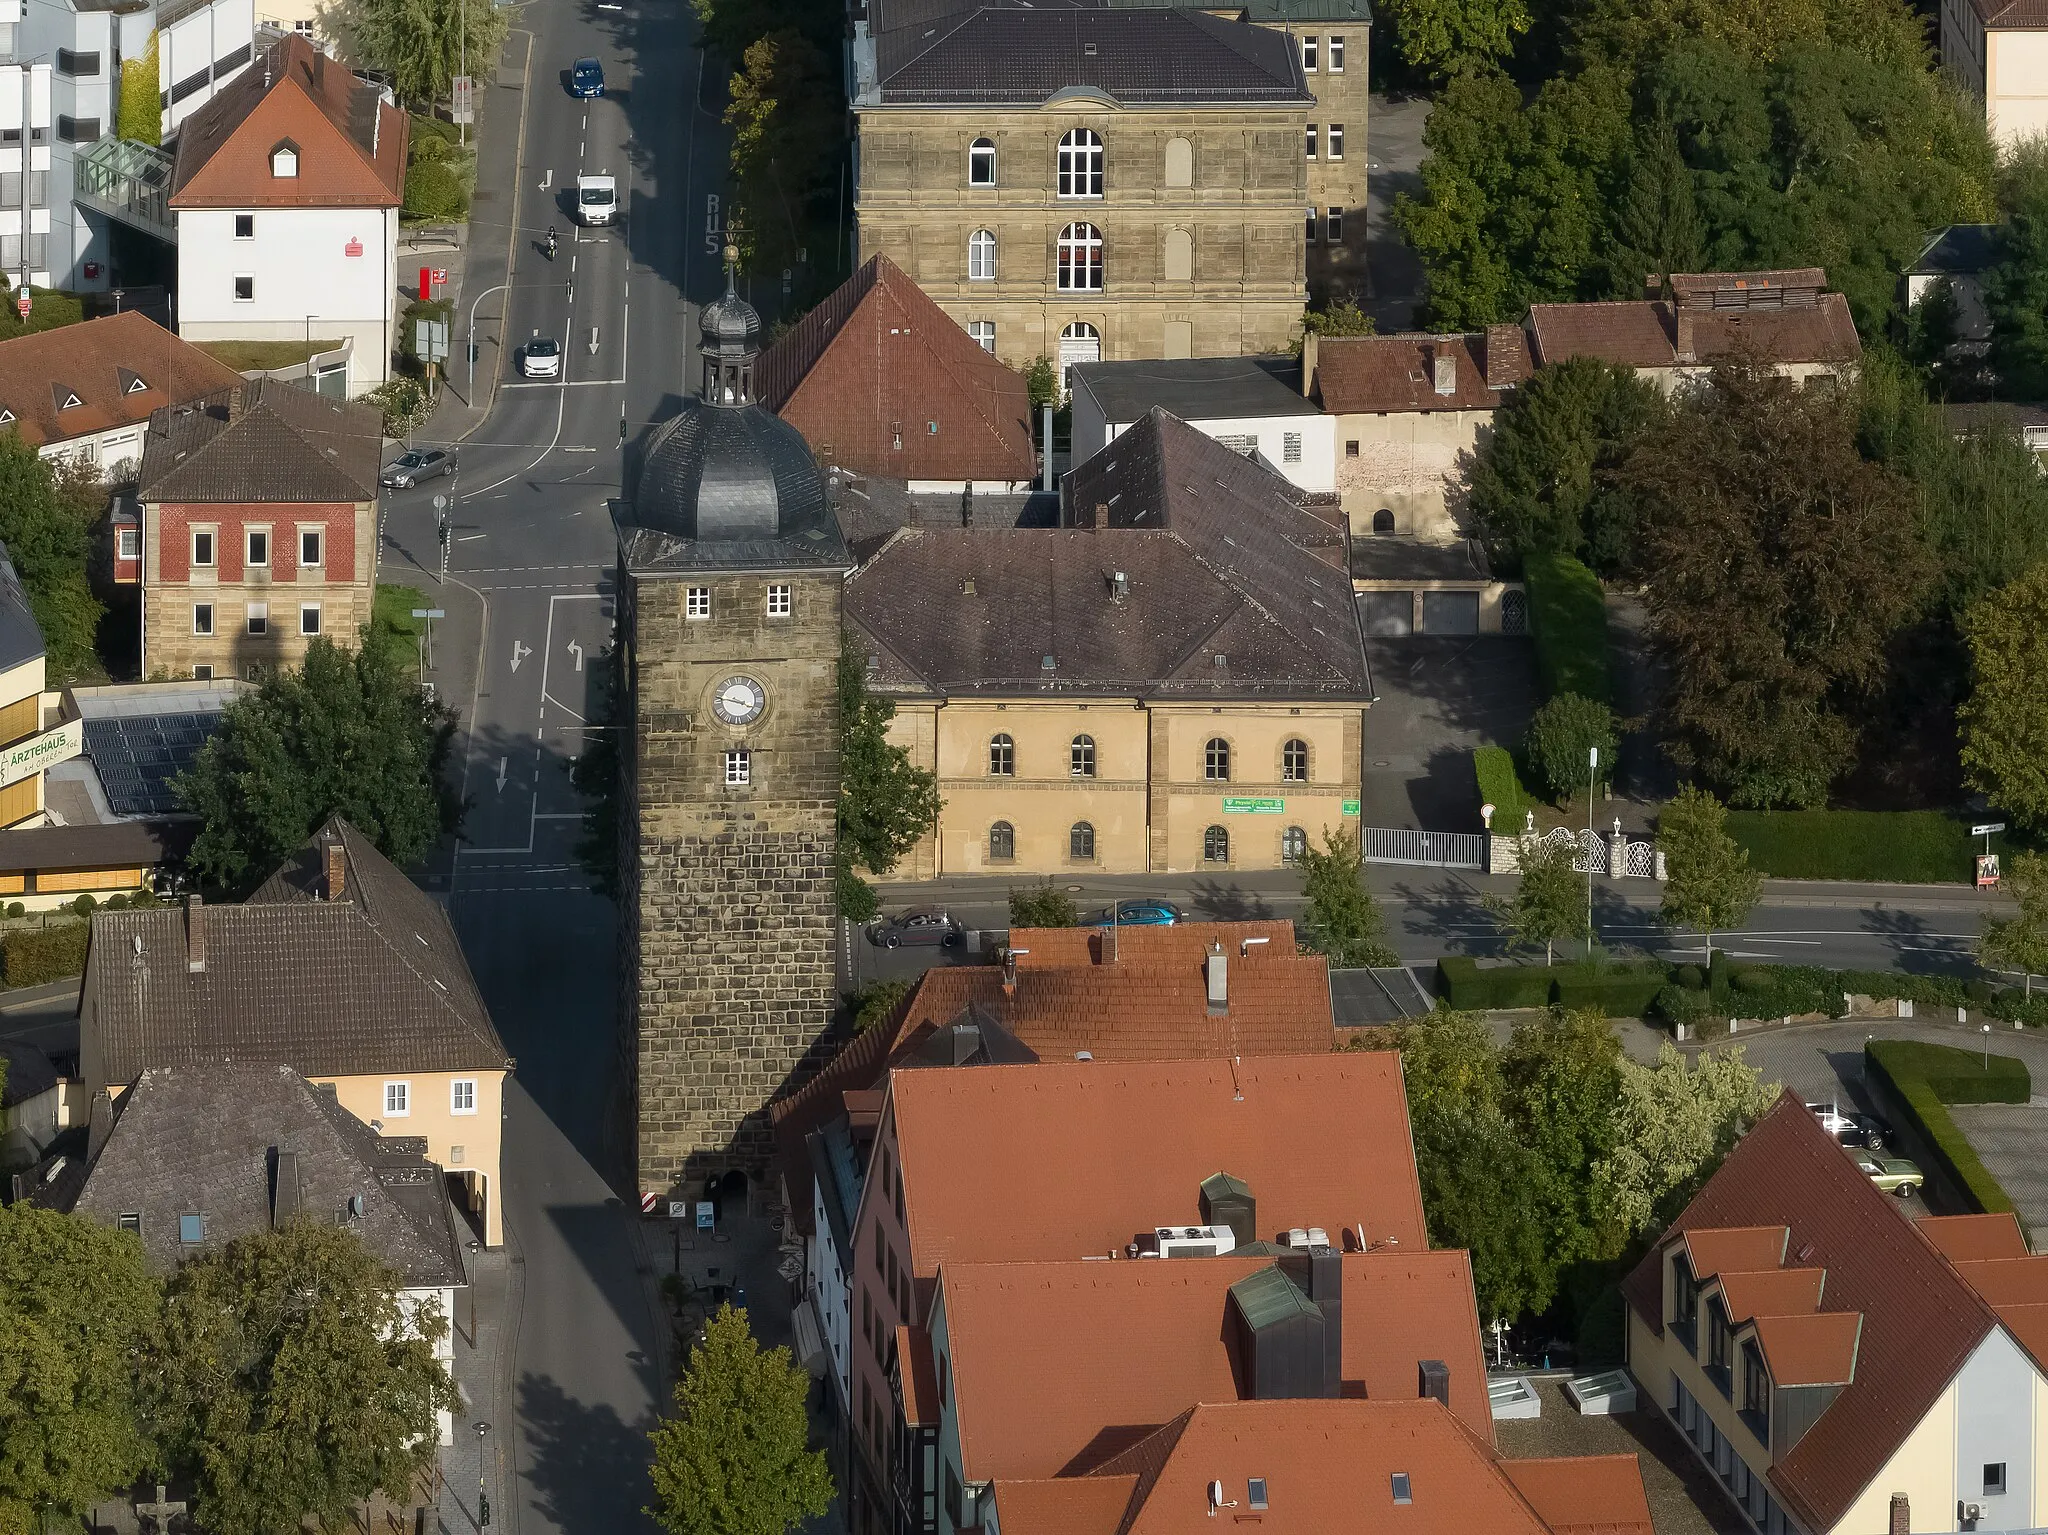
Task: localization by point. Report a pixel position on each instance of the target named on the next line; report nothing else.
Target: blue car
(1137, 914)
(586, 78)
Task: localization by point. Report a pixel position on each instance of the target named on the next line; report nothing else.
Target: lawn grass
(1568, 620)
(254, 356)
(1499, 786)
(1919, 847)
(49, 309)
(393, 629)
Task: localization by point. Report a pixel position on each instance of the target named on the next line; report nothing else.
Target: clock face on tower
(739, 701)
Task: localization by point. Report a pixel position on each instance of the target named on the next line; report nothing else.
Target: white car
(541, 358)
(597, 200)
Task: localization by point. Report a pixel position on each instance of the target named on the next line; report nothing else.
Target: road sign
(1987, 830)
(440, 278)
(428, 613)
(1351, 807)
(1233, 805)
(465, 110)
(705, 1210)
(23, 305)
(679, 1209)
(648, 1202)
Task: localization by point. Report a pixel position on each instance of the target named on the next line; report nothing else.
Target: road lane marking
(576, 650)
(519, 653)
(501, 775)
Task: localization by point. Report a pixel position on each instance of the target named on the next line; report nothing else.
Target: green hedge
(1915, 847)
(1626, 992)
(33, 956)
(1568, 620)
(1620, 991)
(1471, 988)
(1922, 1077)
(1499, 786)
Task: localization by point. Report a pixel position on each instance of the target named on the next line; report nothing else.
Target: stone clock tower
(731, 566)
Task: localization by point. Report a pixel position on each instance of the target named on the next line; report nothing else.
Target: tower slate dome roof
(728, 483)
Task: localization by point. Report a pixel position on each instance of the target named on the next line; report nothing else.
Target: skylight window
(1256, 1492)
(1402, 1493)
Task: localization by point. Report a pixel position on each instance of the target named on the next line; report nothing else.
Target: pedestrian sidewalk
(486, 1318)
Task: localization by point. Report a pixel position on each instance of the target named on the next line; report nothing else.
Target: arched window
(1002, 757)
(1293, 843)
(1294, 761)
(1180, 256)
(1080, 259)
(1002, 843)
(1383, 521)
(1180, 163)
(981, 163)
(1215, 845)
(1082, 757)
(1081, 842)
(981, 255)
(1216, 760)
(1080, 164)
(1079, 342)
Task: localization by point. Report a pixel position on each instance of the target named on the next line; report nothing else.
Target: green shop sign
(1351, 807)
(1253, 806)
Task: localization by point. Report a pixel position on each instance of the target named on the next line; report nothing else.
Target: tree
(1673, 1124)
(886, 802)
(290, 1381)
(1440, 38)
(1783, 563)
(1343, 318)
(736, 1457)
(786, 115)
(421, 45)
(1545, 480)
(1562, 1077)
(2020, 942)
(2016, 300)
(1709, 883)
(2005, 718)
(349, 734)
(1342, 921)
(1042, 384)
(1561, 739)
(1549, 902)
(1483, 1190)
(47, 509)
(140, 118)
(1448, 1059)
(1043, 905)
(1656, 222)
(76, 1304)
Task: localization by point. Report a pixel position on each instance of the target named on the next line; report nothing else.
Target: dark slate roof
(1022, 54)
(1412, 559)
(264, 442)
(108, 845)
(28, 1071)
(1233, 588)
(222, 1141)
(728, 487)
(870, 509)
(1961, 250)
(21, 638)
(372, 982)
(1201, 388)
(1966, 420)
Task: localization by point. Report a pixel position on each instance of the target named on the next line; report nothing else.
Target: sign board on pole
(704, 1214)
(648, 1202)
(29, 757)
(465, 107)
(1987, 830)
(679, 1209)
(1987, 870)
(23, 305)
(440, 280)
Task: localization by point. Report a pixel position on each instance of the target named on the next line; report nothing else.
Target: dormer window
(1685, 1303)
(284, 160)
(1756, 1392)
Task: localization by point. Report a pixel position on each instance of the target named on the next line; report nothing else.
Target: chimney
(1119, 586)
(195, 934)
(967, 587)
(1218, 967)
(1902, 1515)
(235, 403)
(1653, 287)
(284, 1195)
(1100, 517)
(336, 885)
(1010, 970)
(1683, 319)
(1444, 370)
(1434, 1380)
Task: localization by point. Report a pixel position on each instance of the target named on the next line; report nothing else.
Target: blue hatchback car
(586, 78)
(1137, 914)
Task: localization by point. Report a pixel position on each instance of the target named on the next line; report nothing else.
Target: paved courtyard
(1438, 698)
(2012, 1141)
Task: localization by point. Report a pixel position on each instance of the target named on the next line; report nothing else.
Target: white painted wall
(1315, 471)
(2015, 85)
(830, 1293)
(301, 265)
(30, 87)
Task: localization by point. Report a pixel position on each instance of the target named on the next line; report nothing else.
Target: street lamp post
(470, 340)
(1592, 774)
(483, 1502)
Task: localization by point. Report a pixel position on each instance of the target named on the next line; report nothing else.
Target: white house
(838, 1167)
(1998, 49)
(1252, 404)
(286, 195)
(25, 90)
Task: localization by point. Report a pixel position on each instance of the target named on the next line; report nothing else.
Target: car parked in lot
(1851, 1128)
(924, 926)
(1138, 913)
(415, 465)
(541, 358)
(586, 78)
(1895, 1175)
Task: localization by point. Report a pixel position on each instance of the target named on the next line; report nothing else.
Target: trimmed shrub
(1679, 1004)
(1982, 993)
(1568, 620)
(1619, 992)
(1924, 1079)
(85, 905)
(1499, 786)
(1691, 977)
(36, 955)
(1475, 988)
(1918, 847)
(16, 909)
(433, 192)
(1558, 741)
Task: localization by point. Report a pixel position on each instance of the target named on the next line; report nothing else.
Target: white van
(597, 200)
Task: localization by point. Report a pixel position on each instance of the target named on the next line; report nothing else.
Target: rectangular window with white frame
(202, 618)
(1308, 55)
(397, 1100)
(1333, 227)
(259, 618)
(257, 548)
(1312, 133)
(312, 548)
(245, 226)
(697, 602)
(462, 1095)
(202, 548)
(739, 767)
(245, 287)
(1336, 64)
(780, 601)
(984, 334)
(309, 618)
(1334, 142)
(202, 671)
(128, 544)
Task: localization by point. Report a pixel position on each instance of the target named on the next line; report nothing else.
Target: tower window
(981, 255)
(981, 163)
(1314, 224)
(1080, 164)
(202, 618)
(779, 601)
(1002, 757)
(1335, 141)
(1311, 141)
(697, 602)
(1294, 761)
(1079, 268)
(1216, 760)
(1308, 55)
(259, 618)
(1333, 227)
(1336, 56)
(739, 767)
(1082, 757)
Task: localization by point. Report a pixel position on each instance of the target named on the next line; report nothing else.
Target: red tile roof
(1642, 333)
(920, 1380)
(867, 374)
(1964, 1237)
(1065, 1159)
(1816, 1350)
(1734, 1250)
(1585, 1494)
(1921, 1320)
(1069, 1505)
(2008, 1281)
(118, 368)
(1775, 1292)
(351, 143)
(1361, 375)
(1099, 946)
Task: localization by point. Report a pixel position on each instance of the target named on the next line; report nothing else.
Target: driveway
(1394, 145)
(2011, 1139)
(1438, 698)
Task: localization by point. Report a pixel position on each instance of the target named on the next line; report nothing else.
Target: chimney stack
(1653, 287)
(1100, 517)
(1218, 967)
(195, 934)
(1434, 1380)
(1010, 970)
(235, 403)
(1902, 1515)
(336, 885)
(1685, 346)
(1444, 370)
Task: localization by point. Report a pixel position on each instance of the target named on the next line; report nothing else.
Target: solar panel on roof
(139, 757)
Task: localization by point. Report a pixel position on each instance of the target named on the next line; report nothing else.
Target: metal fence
(1436, 849)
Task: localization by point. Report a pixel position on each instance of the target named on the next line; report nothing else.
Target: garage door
(1389, 613)
(1450, 612)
